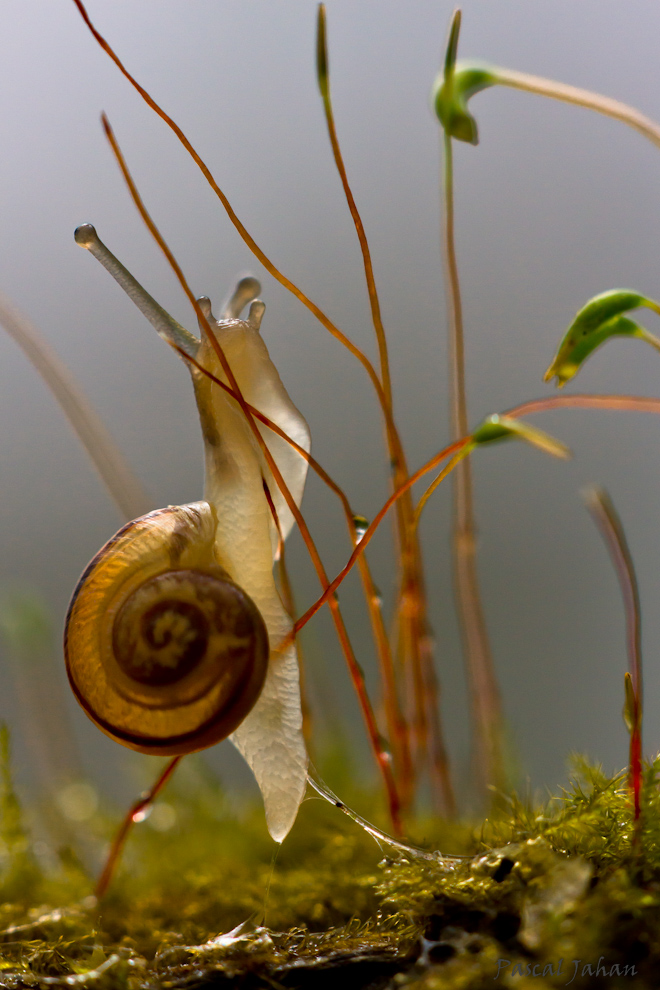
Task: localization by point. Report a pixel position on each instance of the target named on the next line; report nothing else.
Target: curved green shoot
(492, 430)
(599, 320)
(496, 428)
(464, 79)
(485, 701)
(454, 86)
(451, 93)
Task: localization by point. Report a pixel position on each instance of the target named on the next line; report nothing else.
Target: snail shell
(163, 651)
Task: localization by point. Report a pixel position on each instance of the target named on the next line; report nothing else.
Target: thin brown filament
(251, 243)
(123, 487)
(357, 675)
(410, 659)
(246, 237)
(396, 719)
(373, 526)
(607, 519)
(617, 403)
(611, 529)
(412, 572)
(581, 98)
(122, 834)
(484, 692)
(374, 302)
(437, 481)
(416, 581)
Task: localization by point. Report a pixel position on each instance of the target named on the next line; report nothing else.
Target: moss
(564, 881)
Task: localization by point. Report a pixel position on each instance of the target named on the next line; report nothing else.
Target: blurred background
(555, 205)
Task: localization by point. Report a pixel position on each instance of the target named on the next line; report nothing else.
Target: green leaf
(450, 95)
(497, 428)
(601, 318)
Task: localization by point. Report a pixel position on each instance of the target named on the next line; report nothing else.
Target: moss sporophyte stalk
(183, 631)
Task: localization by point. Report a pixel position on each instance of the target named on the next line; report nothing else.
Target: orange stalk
(371, 530)
(414, 581)
(242, 231)
(617, 403)
(134, 815)
(123, 487)
(357, 675)
(395, 717)
(485, 702)
(412, 609)
(611, 529)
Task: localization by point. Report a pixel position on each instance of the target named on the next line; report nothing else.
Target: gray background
(555, 205)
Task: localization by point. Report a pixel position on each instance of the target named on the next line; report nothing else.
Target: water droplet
(361, 526)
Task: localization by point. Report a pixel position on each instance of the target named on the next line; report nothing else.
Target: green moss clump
(204, 902)
(558, 892)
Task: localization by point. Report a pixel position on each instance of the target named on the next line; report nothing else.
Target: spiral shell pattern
(163, 651)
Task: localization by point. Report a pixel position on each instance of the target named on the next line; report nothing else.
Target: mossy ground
(567, 881)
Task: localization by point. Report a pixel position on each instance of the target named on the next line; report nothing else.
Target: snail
(176, 636)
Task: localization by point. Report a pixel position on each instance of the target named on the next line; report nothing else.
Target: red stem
(128, 822)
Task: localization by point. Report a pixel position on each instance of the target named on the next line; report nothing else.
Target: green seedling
(599, 320)
(453, 89)
(464, 78)
(496, 428)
